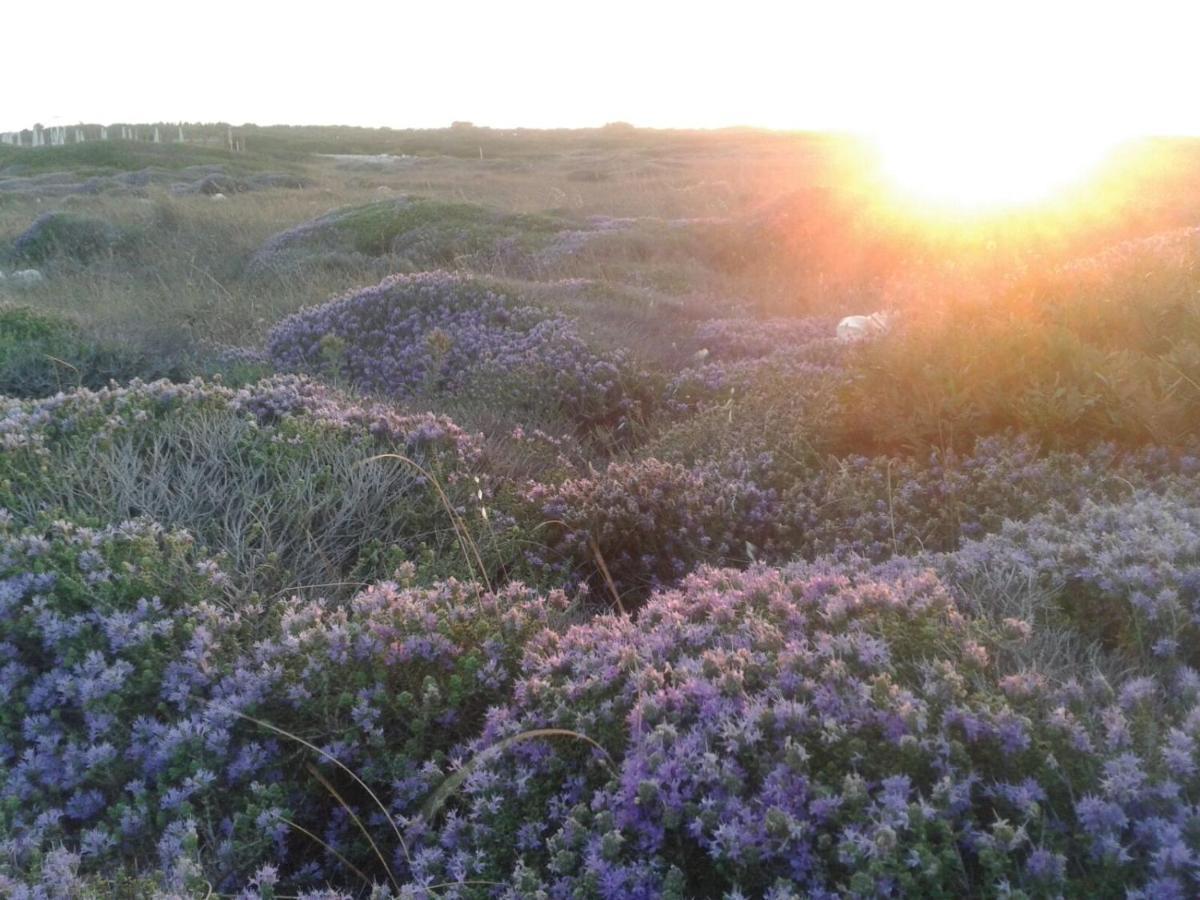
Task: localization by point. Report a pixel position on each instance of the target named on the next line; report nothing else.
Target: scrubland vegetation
(494, 514)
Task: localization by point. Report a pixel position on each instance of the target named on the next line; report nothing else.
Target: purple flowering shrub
(124, 668)
(653, 521)
(90, 622)
(440, 333)
(284, 477)
(649, 523)
(1123, 574)
(806, 732)
(819, 736)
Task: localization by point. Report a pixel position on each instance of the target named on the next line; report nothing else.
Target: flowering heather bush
(1123, 574)
(651, 523)
(123, 668)
(89, 622)
(654, 521)
(781, 736)
(282, 476)
(439, 332)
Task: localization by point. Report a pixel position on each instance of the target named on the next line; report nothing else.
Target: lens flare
(984, 170)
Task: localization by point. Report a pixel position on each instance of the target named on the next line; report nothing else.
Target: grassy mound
(64, 235)
(1104, 349)
(415, 233)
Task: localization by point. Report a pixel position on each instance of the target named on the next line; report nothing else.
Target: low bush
(814, 732)
(883, 506)
(439, 333)
(284, 478)
(1122, 575)
(127, 671)
(785, 736)
(42, 353)
(63, 235)
(647, 524)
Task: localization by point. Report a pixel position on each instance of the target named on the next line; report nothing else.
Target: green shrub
(42, 353)
(63, 235)
(1069, 359)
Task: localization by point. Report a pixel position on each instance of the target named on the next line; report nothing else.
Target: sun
(978, 171)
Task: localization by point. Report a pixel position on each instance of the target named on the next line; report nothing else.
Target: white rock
(857, 328)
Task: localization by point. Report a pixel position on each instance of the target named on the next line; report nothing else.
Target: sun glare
(979, 171)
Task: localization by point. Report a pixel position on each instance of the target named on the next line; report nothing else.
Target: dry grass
(185, 284)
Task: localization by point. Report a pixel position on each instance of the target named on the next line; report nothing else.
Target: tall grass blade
(453, 782)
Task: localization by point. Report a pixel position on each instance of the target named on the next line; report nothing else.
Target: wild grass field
(477, 513)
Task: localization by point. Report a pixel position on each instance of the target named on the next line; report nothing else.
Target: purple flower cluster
(765, 731)
(37, 425)
(780, 734)
(652, 521)
(440, 332)
(124, 669)
(1125, 574)
(883, 506)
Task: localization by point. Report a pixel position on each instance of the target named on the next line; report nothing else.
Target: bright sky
(1050, 65)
